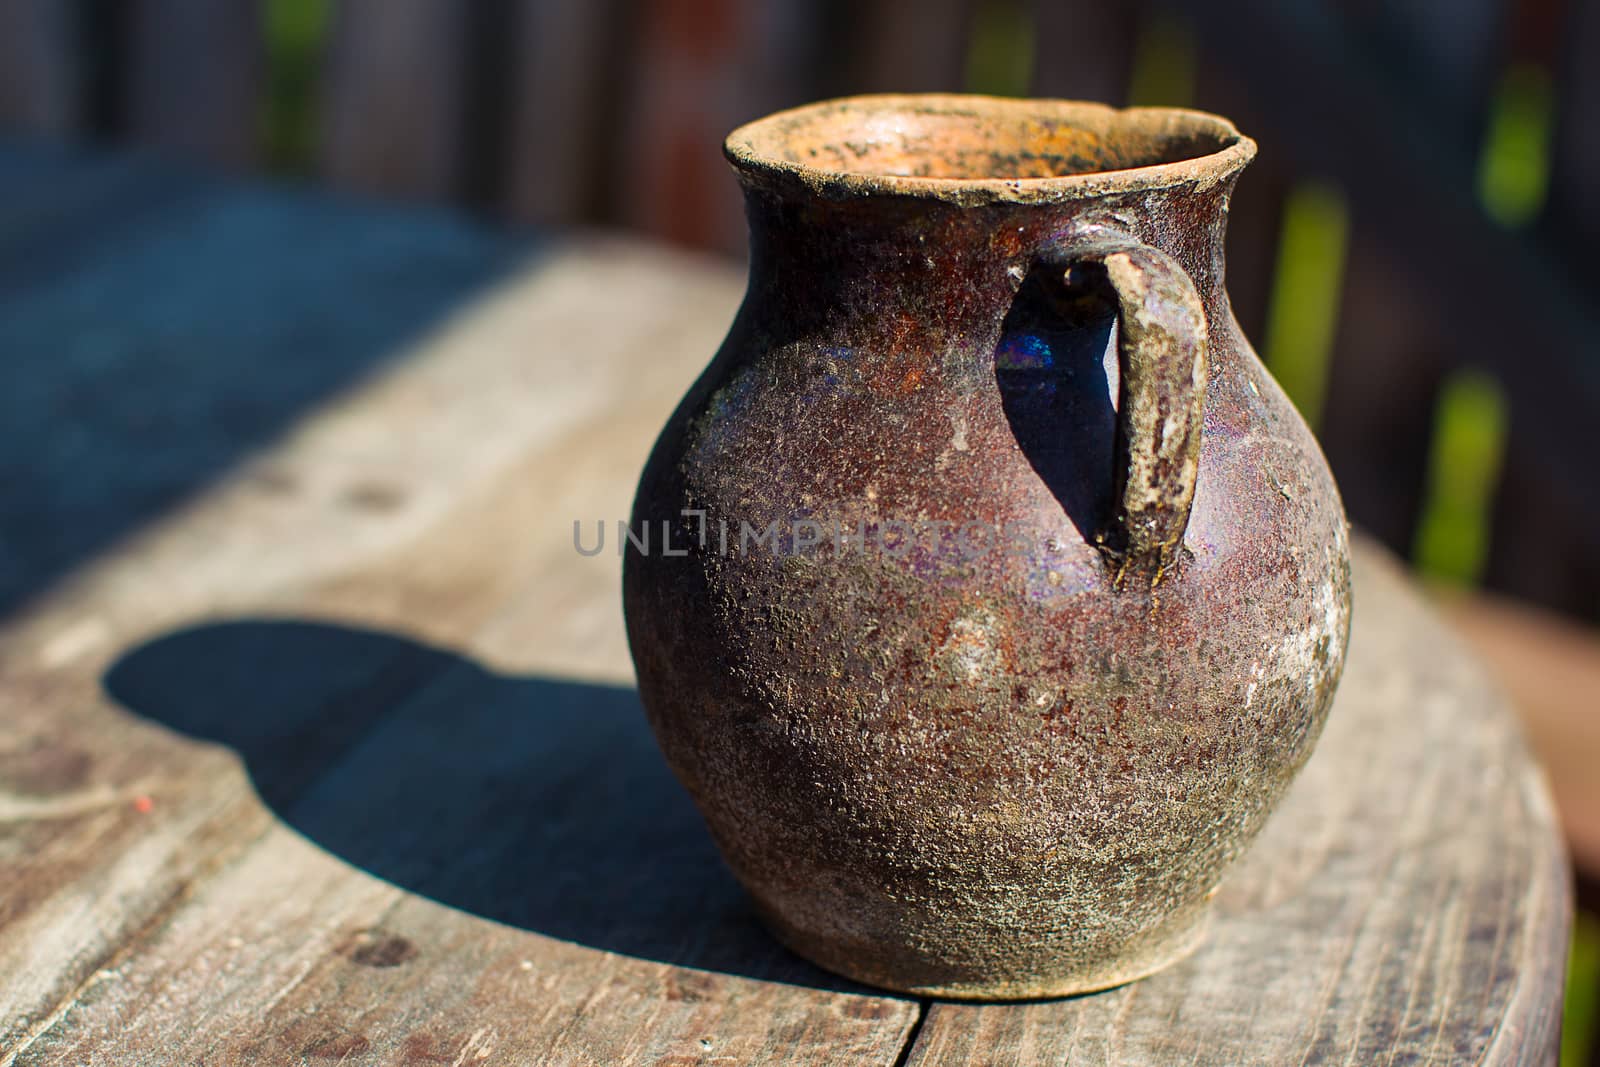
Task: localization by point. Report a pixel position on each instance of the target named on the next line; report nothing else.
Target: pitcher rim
(752, 149)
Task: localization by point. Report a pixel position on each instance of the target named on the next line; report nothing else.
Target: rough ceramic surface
(1015, 770)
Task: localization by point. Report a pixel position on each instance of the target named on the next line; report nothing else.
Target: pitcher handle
(1162, 351)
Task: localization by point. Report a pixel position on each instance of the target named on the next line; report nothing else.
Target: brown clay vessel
(995, 592)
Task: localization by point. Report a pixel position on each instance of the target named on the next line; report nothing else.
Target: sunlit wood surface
(318, 741)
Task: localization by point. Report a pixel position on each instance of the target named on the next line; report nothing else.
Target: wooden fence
(1412, 250)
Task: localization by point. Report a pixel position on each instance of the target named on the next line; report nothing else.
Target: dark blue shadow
(531, 801)
(1051, 366)
(158, 325)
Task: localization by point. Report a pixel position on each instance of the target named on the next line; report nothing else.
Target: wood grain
(338, 757)
(106, 385)
(362, 589)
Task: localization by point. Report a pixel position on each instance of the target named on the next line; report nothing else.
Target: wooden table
(317, 738)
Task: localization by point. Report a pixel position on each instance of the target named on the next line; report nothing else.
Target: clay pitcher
(994, 592)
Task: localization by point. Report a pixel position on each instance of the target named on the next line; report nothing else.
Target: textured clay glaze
(1011, 771)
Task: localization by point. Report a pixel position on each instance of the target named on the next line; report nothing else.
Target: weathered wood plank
(41, 87)
(1390, 354)
(559, 109)
(1408, 903)
(415, 542)
(393, 97)
(1083, 50)
(332, 760)
(1322, 100)
(1448, 53)
(1540, 548)
(113, 416)
(1543, 547)
(195, 78)
(703, 67)
(147, 353)
(910, 46)
(1572, 217)
(1389, 361)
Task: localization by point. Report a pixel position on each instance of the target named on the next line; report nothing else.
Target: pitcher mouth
(975, 149)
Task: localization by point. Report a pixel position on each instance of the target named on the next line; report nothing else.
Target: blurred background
(1414, 253)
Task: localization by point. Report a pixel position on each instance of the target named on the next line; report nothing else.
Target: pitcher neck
(822, 259)
(939, 205)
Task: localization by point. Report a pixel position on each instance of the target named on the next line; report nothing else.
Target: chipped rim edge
(762, 169)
